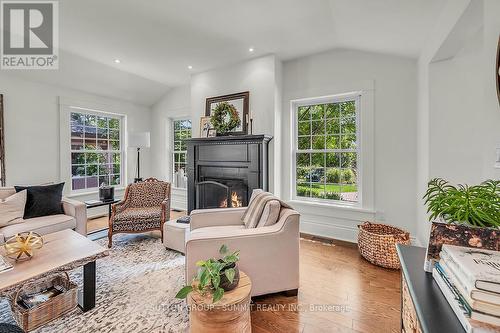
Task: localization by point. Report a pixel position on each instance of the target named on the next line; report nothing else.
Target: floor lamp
(139, 140)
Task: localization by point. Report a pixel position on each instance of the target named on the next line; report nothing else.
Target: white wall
(261, 77)
(31, 112)
(458, 105)
(395, 95)
(174, 104)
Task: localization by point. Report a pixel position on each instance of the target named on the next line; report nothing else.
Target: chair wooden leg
(110, 238)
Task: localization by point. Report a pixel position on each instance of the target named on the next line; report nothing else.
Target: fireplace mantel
(227, 160)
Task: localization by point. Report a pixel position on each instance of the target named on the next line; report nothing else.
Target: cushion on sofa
(270, 214)
(12, 209)
(42, 200)
(42, 225)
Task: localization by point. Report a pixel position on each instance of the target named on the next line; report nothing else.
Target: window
(182, 131)
(327, 150)
(96, 150)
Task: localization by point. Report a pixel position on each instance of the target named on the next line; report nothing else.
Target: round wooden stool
(230, 314)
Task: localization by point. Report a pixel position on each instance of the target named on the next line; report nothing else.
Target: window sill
(346, 207)
(82, 194)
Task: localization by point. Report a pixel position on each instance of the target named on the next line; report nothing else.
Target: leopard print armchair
(145, 207)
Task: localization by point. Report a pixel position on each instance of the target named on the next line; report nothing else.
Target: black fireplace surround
(223, 171)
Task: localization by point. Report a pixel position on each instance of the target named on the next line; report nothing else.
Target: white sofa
(74, 217)
(269, 255)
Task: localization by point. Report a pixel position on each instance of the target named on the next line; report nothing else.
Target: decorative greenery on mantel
(477, 205)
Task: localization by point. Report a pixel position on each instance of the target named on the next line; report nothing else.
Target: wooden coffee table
(61, 251)
(230, 314)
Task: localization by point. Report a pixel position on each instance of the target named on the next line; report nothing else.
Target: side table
(230, 314)
(94, 204)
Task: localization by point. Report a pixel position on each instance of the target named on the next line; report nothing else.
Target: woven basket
(29, 319)
(377, 243)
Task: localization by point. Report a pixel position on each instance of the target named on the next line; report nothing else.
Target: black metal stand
(88, 299)
(138, 178)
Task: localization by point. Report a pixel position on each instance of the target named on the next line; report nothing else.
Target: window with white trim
(182, 131)
(96, 150)
(326, 149)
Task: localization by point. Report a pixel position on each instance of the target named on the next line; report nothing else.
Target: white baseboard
(326, 226)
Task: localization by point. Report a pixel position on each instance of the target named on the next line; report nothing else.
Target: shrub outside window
(96, 150)
(327, 149)
(182, 131)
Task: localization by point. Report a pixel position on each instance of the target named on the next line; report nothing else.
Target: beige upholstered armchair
(269, 254)
(145, 207)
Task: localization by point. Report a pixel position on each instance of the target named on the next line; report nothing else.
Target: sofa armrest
(78, 210)
(165, 210)
(216, 217)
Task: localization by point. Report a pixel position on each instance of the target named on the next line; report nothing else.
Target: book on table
(480, 268)
(460, 308)
(483, 301)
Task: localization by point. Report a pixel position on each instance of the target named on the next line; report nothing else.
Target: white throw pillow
(12, 209)
(270, 214)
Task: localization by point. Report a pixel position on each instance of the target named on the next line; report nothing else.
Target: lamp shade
(139, 140)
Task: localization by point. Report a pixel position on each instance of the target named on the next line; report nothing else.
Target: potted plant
(462, 215)
(215, 276)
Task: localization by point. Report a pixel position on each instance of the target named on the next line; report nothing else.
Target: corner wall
(394, 87)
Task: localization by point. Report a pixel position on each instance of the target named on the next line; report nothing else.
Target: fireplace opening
(221, 193)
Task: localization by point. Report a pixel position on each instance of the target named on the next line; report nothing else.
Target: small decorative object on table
(37, 303)
(377, 243)
(462, 215)
(22, 246)
(106, 193)
(215, 276)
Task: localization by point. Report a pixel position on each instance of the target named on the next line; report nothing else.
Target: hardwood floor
(331, 273)
(368, 297)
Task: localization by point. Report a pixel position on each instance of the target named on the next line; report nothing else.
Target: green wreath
(225, 118)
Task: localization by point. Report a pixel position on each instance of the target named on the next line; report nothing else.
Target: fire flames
(236, 201)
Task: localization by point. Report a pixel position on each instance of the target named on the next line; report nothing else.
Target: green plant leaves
(229, 273)
(223, 249)
(184, 292)
(218, 293)
(477, 205)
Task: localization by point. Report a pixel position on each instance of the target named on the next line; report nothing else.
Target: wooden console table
(230, 314)
(423, 306)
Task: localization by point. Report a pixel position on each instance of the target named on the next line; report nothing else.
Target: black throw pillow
(42, 200)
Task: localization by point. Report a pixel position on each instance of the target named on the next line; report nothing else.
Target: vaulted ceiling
(156, 40)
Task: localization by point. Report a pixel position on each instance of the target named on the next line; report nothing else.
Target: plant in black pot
(215, 276)
(462, 215)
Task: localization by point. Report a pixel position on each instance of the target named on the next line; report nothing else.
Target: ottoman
(174, 235)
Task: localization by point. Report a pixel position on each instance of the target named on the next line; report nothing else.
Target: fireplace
(223, 171)
(221, 193)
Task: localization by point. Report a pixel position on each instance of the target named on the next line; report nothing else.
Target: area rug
(136, 287)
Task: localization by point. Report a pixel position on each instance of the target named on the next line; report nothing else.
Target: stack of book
(469, 278)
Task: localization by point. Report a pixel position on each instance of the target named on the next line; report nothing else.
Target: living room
(286, 166)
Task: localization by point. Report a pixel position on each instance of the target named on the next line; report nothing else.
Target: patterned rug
(136, 285)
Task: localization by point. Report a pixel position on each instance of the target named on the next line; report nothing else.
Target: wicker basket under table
(30, 319)
(377, 243)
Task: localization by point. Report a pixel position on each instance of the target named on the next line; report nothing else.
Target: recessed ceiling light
(190, 67)
(117, 61)
(250, 49)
